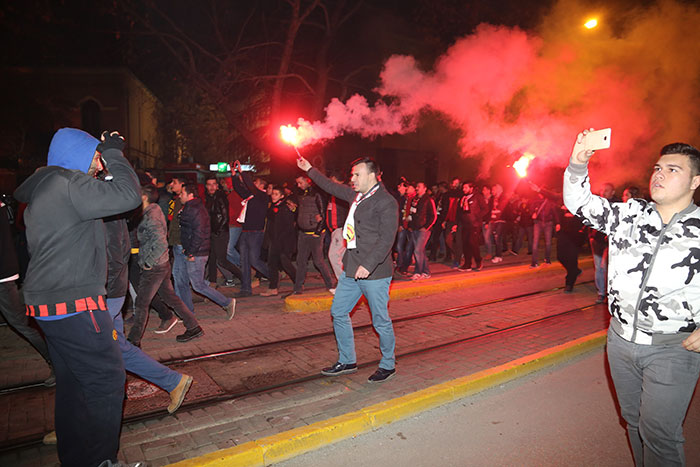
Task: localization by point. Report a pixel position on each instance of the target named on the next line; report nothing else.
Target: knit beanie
(72, 149)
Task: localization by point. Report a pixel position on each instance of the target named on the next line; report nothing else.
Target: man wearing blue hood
(64, 289)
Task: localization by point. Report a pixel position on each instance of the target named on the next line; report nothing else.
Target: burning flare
(289, 135)
(521, 164)
(591, 23)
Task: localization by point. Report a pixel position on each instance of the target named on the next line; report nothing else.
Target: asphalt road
(563, 416)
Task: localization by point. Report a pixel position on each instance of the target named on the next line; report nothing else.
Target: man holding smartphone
(653, 295)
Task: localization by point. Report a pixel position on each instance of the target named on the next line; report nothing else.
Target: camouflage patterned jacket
(653, 280)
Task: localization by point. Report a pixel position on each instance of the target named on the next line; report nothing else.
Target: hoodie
(65, 234)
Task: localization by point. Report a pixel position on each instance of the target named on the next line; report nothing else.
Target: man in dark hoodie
(65, 286)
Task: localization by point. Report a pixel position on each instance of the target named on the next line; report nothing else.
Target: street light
(591, 23)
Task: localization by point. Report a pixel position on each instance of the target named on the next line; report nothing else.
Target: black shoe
(600, 299)
(381, 375)
(568, 288)
(190, 334)
(243, 294)
(340, 369)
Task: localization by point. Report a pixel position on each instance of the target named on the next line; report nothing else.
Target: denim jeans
(420, 240)
(89, 387)
(181, 279)
(310, 245)
(493, 238)
(404, 250)
(13, 311)
(548, 229)
(232, 253)
(136, 361)
(151, 282)
(346, 297)
(195, 270)
(250, 245)
(600, 263)
(654, 385)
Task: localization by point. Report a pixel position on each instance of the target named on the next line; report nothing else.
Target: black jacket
(280, 229)
(311, 204)
(217, 207)
(194, 228)
(65, 232)
(8, 261)
(256, 209)
(423, 213)
(118, 253)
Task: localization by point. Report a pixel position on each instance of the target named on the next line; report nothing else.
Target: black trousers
(277, 258)
(14, 313)
(310, 245)
(89, 387)
(471, 243)
(218, 246)
(156, 282)
(567, 254)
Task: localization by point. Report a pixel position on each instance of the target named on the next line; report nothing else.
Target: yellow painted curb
(310, 303)
(285, 445)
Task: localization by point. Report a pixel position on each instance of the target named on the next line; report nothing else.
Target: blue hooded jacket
(72, 149)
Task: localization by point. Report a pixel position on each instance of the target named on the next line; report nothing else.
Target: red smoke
(511, 92)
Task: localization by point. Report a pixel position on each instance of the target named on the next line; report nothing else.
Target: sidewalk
(196, 432)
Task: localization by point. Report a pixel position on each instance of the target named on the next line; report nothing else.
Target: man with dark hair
(64, 288)
(217, 207)
(310, 221)
(654, 291)
(154, 278)
(181, 280)
(252, 217)
(281, 236)
(194, 234)
(470, 214)
(369, 230)
(423, 217)
(630, 193)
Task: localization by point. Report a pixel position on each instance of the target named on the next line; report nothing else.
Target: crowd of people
(101, 235)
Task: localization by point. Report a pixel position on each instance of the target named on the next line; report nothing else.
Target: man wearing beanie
(64, 289)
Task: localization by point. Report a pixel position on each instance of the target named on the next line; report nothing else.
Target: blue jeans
(232, 253)
(195, 270)
(181, 279)
(250, 246)
(548, 229)
(347, 294)
(420, 239)
(403, 250)
(600, 262)
(136, 360)
(654, 385)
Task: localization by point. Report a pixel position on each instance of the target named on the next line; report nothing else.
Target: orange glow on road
(521, 164)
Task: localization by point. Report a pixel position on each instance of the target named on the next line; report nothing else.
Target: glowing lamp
(591, 23)
(521, 164)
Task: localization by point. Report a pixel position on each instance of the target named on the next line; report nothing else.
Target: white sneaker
(497, 259)
(416, 277)
(425, 276)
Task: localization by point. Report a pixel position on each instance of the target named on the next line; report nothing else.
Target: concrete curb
(276, 448)
(311, 303)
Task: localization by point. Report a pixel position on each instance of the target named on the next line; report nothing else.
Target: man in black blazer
(369, 231)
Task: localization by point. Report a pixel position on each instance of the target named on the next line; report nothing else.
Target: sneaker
(340, 369)
(465, 269)
(229, 283)
(600, 299)
(177, 395)
(332, 290)
(381, 375)
(231, 309)
(166, 325)
(50, 438)
(497, 260)
(190, 334)
(568, 288)
(478, 268)
(269, 293)
(533, 266)
(416, 277)
(425, 275)
(546, 263)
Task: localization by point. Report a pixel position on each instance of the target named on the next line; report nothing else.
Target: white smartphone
(599, 139)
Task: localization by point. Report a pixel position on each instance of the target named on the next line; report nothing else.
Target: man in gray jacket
(369, 230)
(155, 271)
